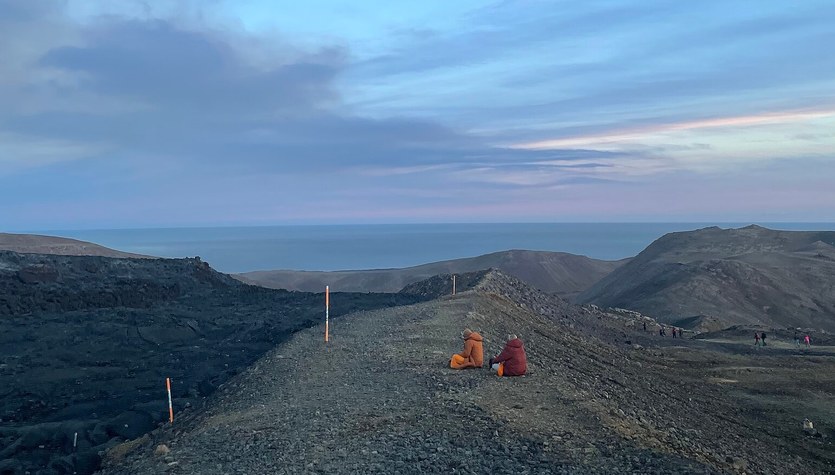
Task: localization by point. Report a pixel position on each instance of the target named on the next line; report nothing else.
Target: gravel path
(379, 398)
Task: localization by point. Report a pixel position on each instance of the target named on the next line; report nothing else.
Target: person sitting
(473, 354)
(512, 360)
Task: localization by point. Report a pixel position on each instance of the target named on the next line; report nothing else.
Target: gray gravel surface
(379, 398)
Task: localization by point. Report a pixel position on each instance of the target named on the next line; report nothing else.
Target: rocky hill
(750, 275)
(87, 343)
(37, 244)
(380, 398)
(555, 272)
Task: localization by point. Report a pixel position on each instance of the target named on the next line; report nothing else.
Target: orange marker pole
(170, 407)
(453, 284)
(327, 310)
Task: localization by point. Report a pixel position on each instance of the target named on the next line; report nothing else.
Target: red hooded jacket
(513, 357)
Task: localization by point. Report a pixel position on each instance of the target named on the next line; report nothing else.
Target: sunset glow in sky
(201, 113)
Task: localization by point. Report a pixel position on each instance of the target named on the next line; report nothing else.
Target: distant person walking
(756, 339)
(808, 341)
(512, 361)
(796, 340)
(674, 332)
(661, 331)
(473, 354)
(645, 327)
(763, 338)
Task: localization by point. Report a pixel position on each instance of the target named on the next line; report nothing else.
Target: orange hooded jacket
(473, 354)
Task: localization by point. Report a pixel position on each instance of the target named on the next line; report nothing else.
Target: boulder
(161, 450)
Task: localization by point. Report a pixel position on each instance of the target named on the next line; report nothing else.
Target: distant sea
(341, 247)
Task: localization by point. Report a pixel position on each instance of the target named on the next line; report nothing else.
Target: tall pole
(327, 309)
(453, 284)
(170, 407)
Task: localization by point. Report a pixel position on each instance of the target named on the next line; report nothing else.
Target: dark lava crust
(87, 342)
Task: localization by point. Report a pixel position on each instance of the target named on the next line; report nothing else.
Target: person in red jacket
(473, 354)
(512, 360)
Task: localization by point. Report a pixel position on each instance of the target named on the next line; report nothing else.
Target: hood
(515, 343)
(475, 336)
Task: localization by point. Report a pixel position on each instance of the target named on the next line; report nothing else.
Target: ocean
(342, 247)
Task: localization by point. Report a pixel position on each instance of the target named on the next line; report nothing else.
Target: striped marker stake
(327, 310)
(453, 284)
(170, 406)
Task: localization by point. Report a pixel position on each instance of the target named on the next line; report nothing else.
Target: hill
(555, 272)
(87, 343)
(37, 244)
(751, 275)
(379, 398)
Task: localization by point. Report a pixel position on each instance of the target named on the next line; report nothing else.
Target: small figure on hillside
(473, 354)
(674, 332)
(756, 339)
(763, 338)
(661, 331)
(796, 340)
(681, 332)
(807, 341)
(645, 327)
(512, 361)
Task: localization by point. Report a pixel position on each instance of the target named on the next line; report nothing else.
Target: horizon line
(444, 223)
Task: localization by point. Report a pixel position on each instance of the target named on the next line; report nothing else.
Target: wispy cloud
(183, 112)
(645, 132)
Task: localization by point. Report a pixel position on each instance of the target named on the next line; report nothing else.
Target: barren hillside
(37, 244)
(751, 275)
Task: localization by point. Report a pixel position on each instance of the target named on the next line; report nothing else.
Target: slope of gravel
(379, 398)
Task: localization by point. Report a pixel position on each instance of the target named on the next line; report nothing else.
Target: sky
(213, 113)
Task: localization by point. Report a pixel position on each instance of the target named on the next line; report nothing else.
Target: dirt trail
(379, 398)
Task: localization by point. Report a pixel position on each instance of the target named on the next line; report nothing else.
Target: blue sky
(194, 113)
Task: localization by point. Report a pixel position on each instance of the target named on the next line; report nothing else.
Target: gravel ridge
(379, 398)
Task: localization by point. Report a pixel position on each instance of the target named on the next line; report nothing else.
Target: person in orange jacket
(473, 354)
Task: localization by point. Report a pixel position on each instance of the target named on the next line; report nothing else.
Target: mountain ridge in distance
(750, 275)
(554, 272)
